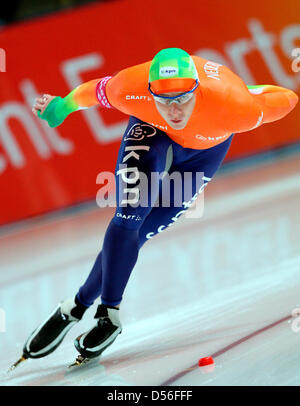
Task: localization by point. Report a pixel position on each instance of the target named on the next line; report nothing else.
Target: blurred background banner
(42, 168)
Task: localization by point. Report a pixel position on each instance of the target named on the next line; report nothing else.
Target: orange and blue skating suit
(224, 105)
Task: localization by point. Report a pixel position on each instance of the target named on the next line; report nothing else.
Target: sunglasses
(180, 99)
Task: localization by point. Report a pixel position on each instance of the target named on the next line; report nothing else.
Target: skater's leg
(119, 255)
(140, 152)
(91, 289)
(207, 163)
(92, 343)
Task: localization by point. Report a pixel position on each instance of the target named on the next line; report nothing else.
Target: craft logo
(2, 60)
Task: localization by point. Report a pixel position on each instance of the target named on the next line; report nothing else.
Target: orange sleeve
(275, 102)
(85, 95)
(248, 107)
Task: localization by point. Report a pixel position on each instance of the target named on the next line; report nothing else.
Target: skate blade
(14, 366)
(81, 361)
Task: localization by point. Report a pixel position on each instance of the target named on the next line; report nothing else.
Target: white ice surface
(223, 285)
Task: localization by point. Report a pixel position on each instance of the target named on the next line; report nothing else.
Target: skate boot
(92, 343)
(49, 335)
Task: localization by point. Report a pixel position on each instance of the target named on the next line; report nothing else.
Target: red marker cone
(206, 361)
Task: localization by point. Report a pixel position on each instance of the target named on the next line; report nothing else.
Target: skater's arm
(274, 102)
(54, 109)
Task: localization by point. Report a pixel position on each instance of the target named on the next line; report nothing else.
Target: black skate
(49, 335)
(92, 343)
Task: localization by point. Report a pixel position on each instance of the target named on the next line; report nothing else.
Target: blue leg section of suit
(144, 209)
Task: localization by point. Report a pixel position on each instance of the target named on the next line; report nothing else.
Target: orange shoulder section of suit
(223, 106)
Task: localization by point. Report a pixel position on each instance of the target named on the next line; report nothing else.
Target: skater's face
(176, 115)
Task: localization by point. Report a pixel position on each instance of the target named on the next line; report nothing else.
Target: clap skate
(91, 344)
(49, 335)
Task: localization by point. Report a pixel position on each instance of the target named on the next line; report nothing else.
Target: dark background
(20, 10)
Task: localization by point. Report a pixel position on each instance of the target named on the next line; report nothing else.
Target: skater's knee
(127, 221)
(118, 235)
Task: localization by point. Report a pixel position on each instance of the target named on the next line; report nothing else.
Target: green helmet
(172, 70)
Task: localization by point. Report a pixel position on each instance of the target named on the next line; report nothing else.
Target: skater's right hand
(41, 103)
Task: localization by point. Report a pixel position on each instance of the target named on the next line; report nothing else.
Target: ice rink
(224, 285)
